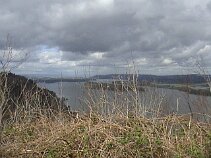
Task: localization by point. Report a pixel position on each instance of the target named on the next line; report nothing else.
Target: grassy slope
(171, 136)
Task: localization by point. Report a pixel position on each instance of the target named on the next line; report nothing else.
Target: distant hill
(52, 79)
(168, 79)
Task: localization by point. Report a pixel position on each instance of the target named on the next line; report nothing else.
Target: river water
(158, 99)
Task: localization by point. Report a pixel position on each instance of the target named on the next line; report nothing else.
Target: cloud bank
(108, 36)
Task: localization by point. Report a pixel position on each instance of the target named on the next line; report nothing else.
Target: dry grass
(171, 136)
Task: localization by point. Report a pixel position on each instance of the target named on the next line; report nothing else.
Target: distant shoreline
(184, 88)
(54, 80)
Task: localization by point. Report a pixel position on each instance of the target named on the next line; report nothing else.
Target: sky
(92, 37)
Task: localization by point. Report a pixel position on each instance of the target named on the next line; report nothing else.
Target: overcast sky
(87, 37)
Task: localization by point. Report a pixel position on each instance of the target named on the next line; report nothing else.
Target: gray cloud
(153, 33)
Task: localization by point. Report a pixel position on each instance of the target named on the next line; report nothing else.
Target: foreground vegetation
(117, 136)
(35, 128)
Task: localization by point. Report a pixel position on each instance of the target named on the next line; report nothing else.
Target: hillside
(19, 92)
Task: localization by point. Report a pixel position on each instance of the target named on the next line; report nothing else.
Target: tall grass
(171, 136)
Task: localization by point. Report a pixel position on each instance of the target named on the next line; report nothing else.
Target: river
(159, 99)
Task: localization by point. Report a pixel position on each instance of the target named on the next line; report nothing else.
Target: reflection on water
(167, 100)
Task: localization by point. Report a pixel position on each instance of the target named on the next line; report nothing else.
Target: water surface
(167, 100)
